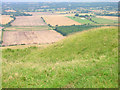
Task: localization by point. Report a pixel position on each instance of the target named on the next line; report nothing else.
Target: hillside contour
(83, 60)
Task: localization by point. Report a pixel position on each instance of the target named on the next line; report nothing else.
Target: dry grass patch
(5, 19)
(60, 21)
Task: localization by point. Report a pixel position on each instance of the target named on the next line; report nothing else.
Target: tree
(77, 14)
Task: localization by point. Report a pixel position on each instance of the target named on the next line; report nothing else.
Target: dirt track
(30, 37)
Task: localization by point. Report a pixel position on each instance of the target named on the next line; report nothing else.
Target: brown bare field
(5, 19)
(108, 17)
(28, 21)
(30, 37)
(59, 20)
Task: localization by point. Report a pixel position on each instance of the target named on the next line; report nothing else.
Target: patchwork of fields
(36, 29)
(105, 20)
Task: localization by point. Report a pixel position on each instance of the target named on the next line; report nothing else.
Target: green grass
(104, 21)
(33, 28)
(83, 60)
(66, 30)
(82, 21)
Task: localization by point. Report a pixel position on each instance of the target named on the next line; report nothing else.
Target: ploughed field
(28, 21)
(30, 37)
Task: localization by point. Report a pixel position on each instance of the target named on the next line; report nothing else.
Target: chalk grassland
(28, 21)
(108, 17)
(28, 28)
(83, 60)
(81, 20)
(30, 37)
(5, 19)
(60, 21)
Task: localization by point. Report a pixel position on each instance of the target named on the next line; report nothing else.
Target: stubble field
(28, 21)
(60, 20)
(5, 19)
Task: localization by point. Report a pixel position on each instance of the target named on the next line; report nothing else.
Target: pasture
(30, 37)
(108, 17)
(81, 20)
(83, 60)
(60, 20)
(28, 21)
(5, 19)
(105, 21)
(28, 28)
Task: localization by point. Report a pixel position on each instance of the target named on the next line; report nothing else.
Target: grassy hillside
(83, 60)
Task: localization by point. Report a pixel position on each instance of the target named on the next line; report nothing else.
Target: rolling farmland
(28, 21)
(30, 37)
(5, 19)
(59, 20)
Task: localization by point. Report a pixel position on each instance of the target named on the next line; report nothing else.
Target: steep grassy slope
(83, 60)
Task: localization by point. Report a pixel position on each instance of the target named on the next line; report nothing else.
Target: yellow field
(108, 17)
(5, 19)
(59, 20)
(10, 11)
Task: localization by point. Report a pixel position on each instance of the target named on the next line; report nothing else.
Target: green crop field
(82, 21)
(82, 60)
(104, 21)
(26, 28)
(66, 30)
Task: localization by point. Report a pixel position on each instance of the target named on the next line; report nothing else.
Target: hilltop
(87, 59)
